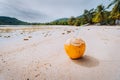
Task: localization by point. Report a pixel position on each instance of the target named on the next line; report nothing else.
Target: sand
(37, 53)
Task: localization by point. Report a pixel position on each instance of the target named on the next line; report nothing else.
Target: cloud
(45, 10)
(22, 12)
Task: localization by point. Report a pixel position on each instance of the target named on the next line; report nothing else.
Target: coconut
(75, 47)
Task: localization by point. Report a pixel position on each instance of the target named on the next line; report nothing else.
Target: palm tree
(77, 22)
(99, 16)
(115, 13)
(114, 2)
(88, 15)
(71, 20)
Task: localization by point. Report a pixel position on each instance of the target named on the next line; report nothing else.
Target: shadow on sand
(87, 61)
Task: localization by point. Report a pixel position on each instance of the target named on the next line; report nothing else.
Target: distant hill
(11, 21)
(62, 19)
(66, 19)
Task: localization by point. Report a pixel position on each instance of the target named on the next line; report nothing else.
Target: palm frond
(112, 3)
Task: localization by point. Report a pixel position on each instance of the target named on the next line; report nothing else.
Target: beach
(37, 53)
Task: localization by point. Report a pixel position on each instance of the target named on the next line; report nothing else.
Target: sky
(46, 10)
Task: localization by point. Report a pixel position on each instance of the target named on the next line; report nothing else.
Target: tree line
(100, 16)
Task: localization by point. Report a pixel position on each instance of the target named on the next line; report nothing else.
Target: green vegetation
(115, 13)
(62, 21)
(99, 16)
(94, 16)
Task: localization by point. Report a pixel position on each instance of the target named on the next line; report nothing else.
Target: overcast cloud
(46, 10)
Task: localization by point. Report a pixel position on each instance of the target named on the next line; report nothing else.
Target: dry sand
(37, 53)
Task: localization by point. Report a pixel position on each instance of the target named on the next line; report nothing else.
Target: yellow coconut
(75, 48)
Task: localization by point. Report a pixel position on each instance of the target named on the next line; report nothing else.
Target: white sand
(42, 56)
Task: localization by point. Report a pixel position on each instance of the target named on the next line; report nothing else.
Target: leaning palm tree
(99, 15)
(115, 13)
(88, 15)
(114, 2)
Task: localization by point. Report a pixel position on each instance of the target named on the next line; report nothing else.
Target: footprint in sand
(63, 33)
(25, 39)
(6, 36)
(46, 35)
(21, 33)
(68, 32)
(29, 36)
